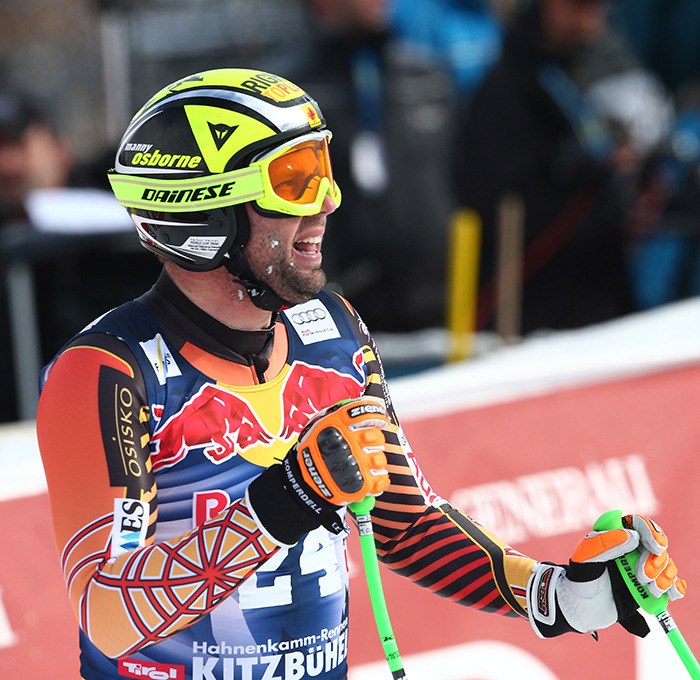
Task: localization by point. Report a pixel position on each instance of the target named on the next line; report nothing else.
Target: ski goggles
(292, 178)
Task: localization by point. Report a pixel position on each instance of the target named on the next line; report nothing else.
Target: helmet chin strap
(260, 294)
(236, 263)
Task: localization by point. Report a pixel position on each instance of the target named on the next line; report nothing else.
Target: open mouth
(309, 246)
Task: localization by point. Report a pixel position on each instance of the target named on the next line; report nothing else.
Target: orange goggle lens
(295, 175)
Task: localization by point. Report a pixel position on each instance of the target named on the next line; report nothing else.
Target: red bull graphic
(309, 389)
(215, 420)
(222, 424)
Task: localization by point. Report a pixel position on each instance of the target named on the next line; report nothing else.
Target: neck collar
(192, 324)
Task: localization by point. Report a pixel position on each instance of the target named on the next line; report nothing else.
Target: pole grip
(627, 565)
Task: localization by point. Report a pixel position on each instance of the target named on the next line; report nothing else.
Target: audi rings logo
(309, 316)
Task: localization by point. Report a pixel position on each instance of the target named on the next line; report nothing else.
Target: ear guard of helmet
(194, 241)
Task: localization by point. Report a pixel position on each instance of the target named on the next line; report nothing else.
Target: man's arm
(92, 426)
(420, 536)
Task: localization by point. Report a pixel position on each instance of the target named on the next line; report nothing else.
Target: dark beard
(293, 285)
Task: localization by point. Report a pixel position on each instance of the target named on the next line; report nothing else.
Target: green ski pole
(374, 585)
(627, 564)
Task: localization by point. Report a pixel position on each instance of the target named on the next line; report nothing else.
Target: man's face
(14, 176)
(38, 159)
(285, 253)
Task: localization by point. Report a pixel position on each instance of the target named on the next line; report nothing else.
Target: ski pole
(627, 564)
(374, 585)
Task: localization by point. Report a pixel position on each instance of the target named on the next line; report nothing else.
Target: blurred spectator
(389, 98)
(665, 245)
(664, 250)
(76, 274)
(565, 120)
(463, 35)
(33, 155)
(664, 35)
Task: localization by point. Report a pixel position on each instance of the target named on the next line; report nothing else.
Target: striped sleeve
(422, 537)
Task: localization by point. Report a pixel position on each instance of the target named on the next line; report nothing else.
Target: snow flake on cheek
(274, 243)
(240, 295)
(269, 269)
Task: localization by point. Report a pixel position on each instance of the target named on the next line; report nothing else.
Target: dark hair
(17, 113)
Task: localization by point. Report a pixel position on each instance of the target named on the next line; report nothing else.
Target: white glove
(590, 594)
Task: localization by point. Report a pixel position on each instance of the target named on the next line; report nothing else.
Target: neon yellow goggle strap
(222, 190)
(188, 195)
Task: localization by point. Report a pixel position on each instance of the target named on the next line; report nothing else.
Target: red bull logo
(222, 424)
(309, 389)
(217, 421)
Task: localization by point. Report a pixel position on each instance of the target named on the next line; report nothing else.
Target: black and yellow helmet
(205, 145)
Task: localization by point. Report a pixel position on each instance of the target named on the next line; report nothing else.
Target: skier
(202, 442)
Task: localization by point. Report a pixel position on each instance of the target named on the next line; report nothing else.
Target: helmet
(208, 143)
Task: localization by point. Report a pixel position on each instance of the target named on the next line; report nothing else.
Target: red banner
(38, 634)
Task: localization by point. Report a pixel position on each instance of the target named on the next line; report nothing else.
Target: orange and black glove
(590, 594)
(338, 459)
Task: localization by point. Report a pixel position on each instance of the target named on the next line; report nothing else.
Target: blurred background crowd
(584, 114)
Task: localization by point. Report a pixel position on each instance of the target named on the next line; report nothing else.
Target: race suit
(153, 421)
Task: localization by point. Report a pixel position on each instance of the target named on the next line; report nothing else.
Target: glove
(655, 569)
(590, 593)
(338, 459)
